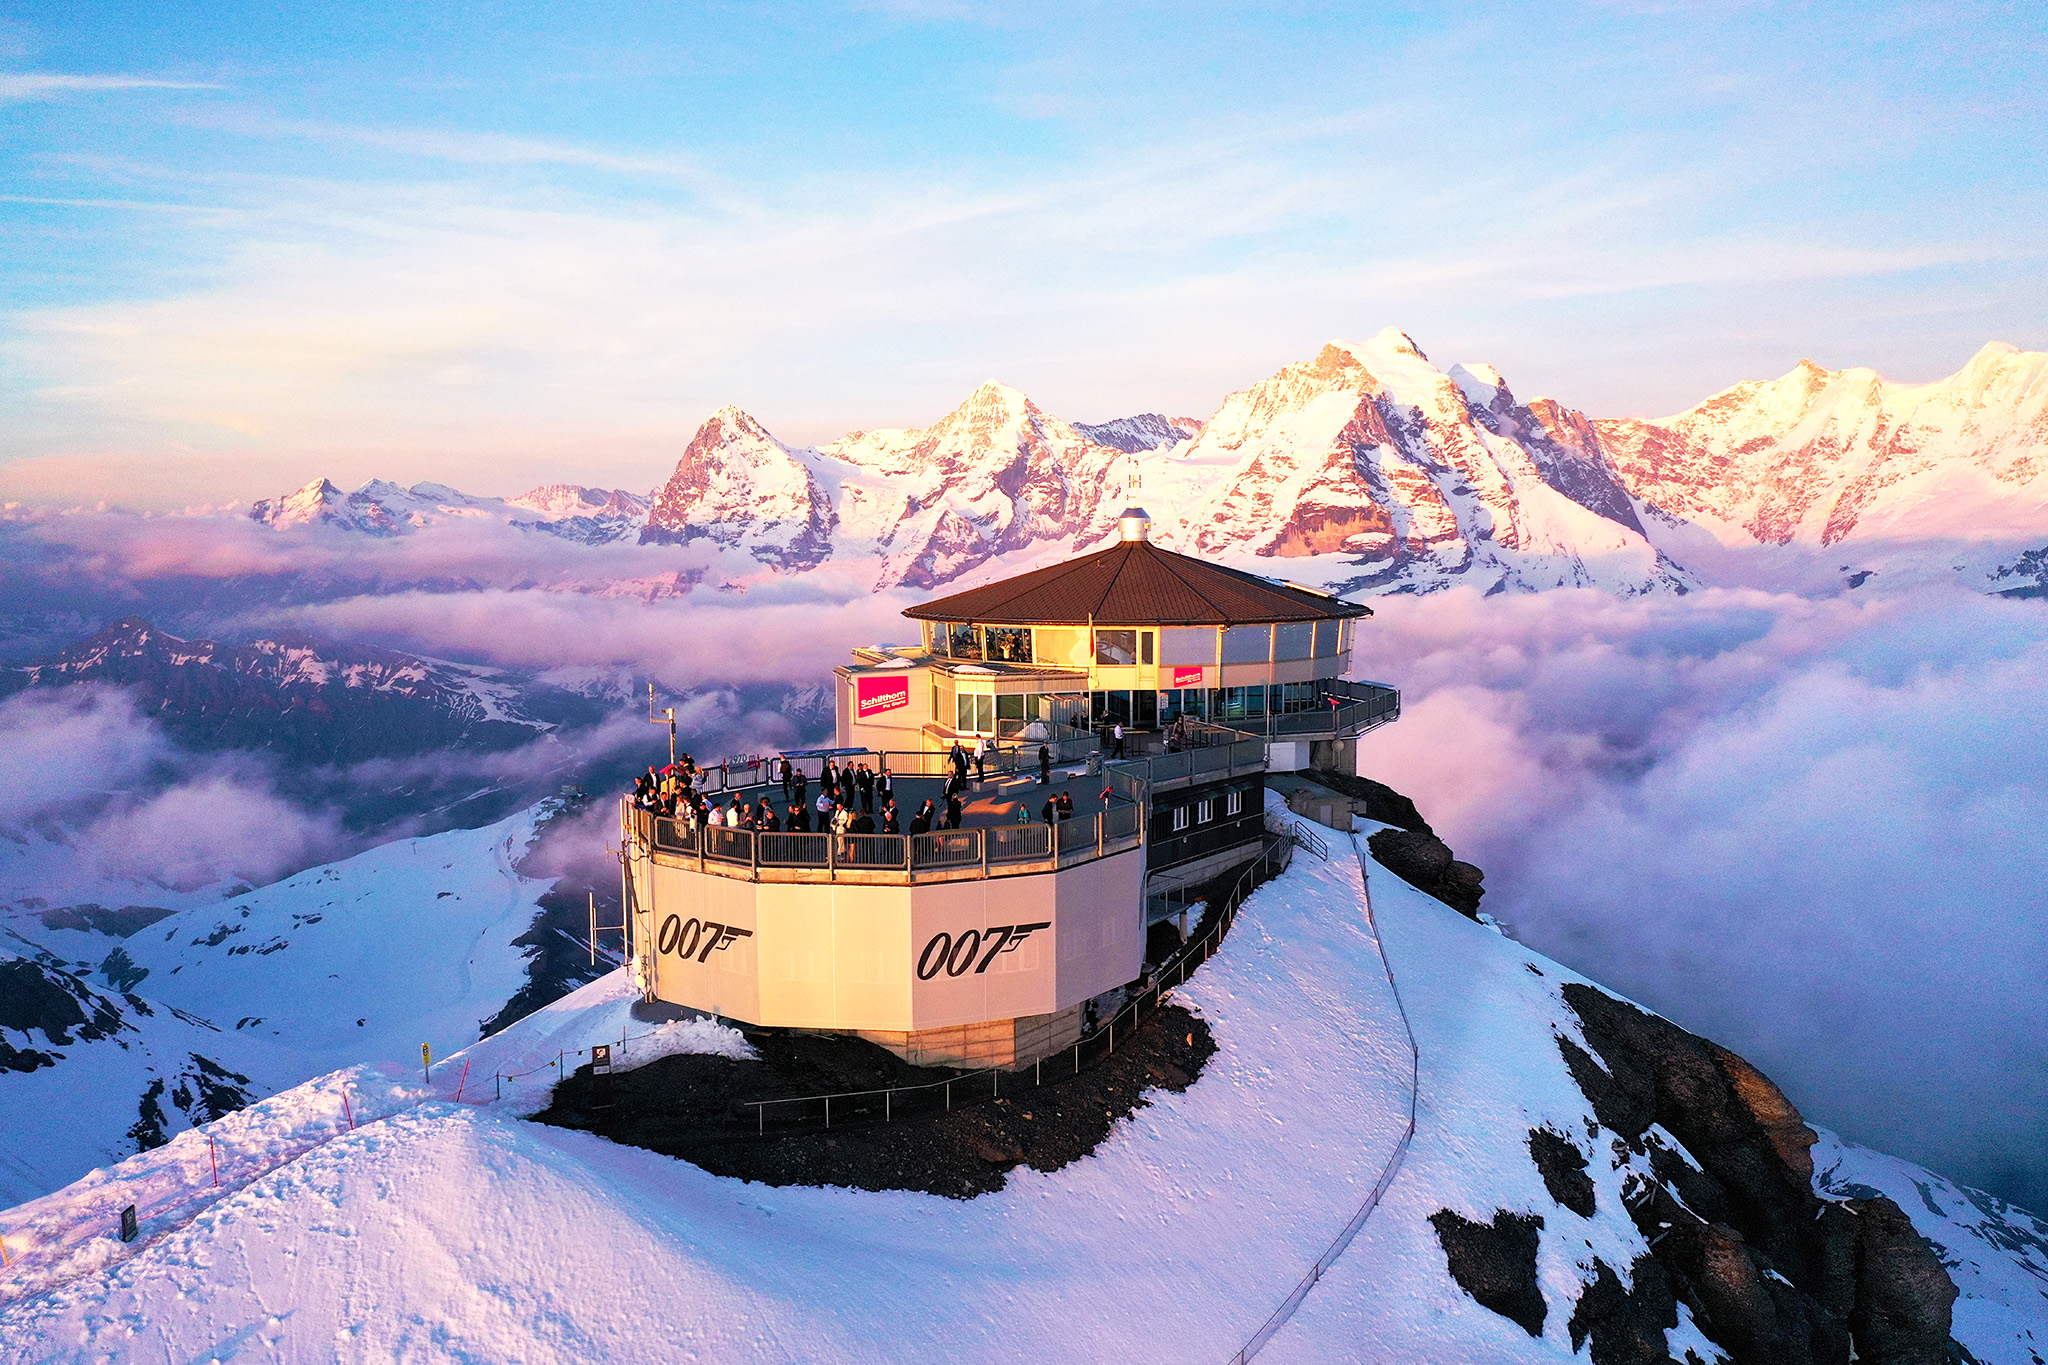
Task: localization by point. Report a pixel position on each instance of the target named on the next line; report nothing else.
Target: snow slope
(356, 961)
(457, 1232)
(447, 1233)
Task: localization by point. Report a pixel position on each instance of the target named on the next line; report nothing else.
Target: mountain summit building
(985, 944)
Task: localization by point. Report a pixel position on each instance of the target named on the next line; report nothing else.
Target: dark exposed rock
(1424, 861)
(56, 1003)
(1627, 1324)
(1496, 1263)
(1381, 802)
(1771, 1272)
(1903, 1296)
(129, 919)
(1563, 1168)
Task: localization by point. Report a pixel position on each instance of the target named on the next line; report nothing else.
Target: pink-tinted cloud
(1817, 832)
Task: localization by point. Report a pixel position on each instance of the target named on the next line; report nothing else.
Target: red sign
(874, 695)
(1187, 677)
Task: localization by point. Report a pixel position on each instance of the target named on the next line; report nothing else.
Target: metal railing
(1299, 834)
(974, 1087)
(1362, 706)
(989, 851)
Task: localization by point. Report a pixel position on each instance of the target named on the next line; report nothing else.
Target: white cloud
(42, 85)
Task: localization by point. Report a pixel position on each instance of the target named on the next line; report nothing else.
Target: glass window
(1293, 639)
(1145, 646)
(1116, 646)
(975, 713)
(1247, 644)
(1010, 707)
(1067, 645)
(1180, 818)
(1233, 803)
(966, 641)
(1009, 644)
(1207, 812)
(1145, 710)
(1187, 645)
(1327, 633)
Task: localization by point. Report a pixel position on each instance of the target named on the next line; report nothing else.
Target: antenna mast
(667, 712)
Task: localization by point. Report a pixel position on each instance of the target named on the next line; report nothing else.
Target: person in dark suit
(787, 774)
(921, 823)
(1050, 811)
(1044, 766)
(890, 823)
(864, 778)
(1065, 802)
(954, 811)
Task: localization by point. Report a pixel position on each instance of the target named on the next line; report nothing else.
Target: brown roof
(1135, 583)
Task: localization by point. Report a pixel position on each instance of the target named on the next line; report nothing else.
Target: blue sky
(495, 245)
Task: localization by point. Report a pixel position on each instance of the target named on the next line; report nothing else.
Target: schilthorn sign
(872, 695)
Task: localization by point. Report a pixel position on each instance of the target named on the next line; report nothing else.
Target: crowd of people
(851, 799)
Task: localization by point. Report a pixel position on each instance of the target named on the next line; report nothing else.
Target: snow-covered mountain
(1583, 1181)
(1365, 468)
(140, 1023)
(293, 696)
(739, 487)
(1142, 431)
(994, 476)
(382, 508)
(1825, 456)
(1385, 468)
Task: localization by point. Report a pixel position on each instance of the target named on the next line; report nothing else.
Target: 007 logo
(973, 950)
(688, 938)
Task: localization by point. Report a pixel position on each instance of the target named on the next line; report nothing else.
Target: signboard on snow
(874, 695)
(1187, 677)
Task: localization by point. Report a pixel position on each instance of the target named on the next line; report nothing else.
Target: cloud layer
(1813, 831)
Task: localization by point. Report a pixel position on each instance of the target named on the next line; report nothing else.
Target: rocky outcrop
(1424, 861)
(1496, 1263)
(1768, 1269)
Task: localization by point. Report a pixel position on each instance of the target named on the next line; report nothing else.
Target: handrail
(1299, 833)
(1184, 962)
(991, 850)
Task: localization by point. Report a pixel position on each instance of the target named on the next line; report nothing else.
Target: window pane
(1247, 644)
(964, 712)
(966, 642)
(1326, 639)
(984, 715)
(1116, 646)
(1187, 645)
(1010, 707)
(1009, 644)
(1067, 645)
(1293, 639)
(1145, 647)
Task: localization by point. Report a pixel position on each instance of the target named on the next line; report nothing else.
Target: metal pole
(828, 1111)
(949, 1097)
(886, 1094)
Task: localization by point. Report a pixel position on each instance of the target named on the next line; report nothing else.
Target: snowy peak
(574, 500)
(738, 486)
(1819, 456)
(1370, 452)
(1142, 431)
(995, 475)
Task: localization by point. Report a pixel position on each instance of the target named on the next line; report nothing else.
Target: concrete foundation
(1009, 1043)
(1289, 755)
(1340, 755)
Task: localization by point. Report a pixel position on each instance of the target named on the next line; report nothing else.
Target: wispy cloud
(43, 85)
